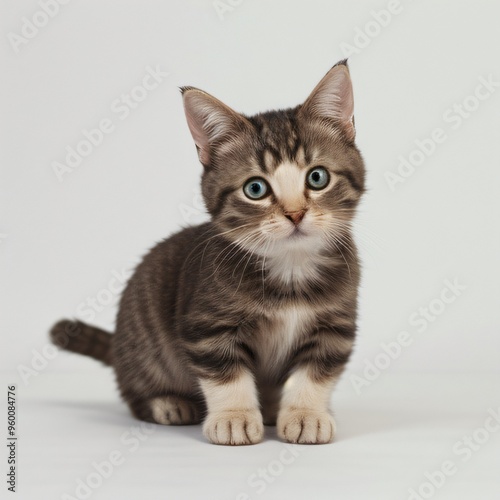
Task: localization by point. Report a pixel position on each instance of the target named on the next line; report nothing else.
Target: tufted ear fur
(210, 121)
(332, 99)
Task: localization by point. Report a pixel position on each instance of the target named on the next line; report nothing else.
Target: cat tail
(76, 336)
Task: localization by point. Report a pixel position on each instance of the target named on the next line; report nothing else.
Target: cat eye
(318, 178)
(255, 188)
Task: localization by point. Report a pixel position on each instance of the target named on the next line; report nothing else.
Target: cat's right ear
(209, 120)
(332, 99)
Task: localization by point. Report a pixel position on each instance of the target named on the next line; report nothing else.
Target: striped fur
(78, 337)
(254, 313)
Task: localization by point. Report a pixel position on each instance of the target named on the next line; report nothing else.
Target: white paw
(305, 426)
(235, 427)
(174, 410)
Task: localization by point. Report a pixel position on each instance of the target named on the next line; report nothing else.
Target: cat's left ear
(332, 99)
(210, 121)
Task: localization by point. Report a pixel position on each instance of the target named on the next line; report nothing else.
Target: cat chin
(296, 242)
(303, 235)
(297, 234)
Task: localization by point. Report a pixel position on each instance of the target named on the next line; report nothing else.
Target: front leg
(304, 415)
(223, 364)
(233, 410)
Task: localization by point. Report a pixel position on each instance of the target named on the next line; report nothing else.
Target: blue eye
(255, 188)
(318, 178)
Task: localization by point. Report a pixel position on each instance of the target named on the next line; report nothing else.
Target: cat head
(282, 179)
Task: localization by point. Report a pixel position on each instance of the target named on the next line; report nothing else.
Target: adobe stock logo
(465, 448)
(30, 27)
(130, 441)
(364, 36)
(88, 310)
(420, 320)
(223, 7)
(454, 118)
(122, 107)
(263, 477)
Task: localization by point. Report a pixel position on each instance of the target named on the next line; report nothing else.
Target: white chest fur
(282, 332)
(295, 260)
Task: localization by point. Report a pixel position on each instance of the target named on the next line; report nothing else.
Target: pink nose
(295, 217)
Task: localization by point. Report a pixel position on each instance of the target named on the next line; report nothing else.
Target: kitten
(248, 319)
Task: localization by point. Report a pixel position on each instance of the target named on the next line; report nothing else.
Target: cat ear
(209, 121)
(333, 99)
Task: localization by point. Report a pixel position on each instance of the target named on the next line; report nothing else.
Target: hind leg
(169, 409)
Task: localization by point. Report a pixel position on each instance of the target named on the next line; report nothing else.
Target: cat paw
(305, 426)
(174, 410)
(234, 427)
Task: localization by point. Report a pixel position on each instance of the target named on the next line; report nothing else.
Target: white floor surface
(389, 437)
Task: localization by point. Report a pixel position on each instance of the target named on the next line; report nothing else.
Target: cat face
(281, 180)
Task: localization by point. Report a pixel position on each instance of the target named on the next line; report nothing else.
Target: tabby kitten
(248, 319)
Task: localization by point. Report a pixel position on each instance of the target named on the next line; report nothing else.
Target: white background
(62, 241)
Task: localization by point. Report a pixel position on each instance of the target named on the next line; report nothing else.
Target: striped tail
(76, 336)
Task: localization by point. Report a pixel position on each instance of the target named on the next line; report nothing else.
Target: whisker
(214, 236)
(233, 248)
(258, 242)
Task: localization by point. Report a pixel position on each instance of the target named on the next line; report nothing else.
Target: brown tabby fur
(205, 321)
